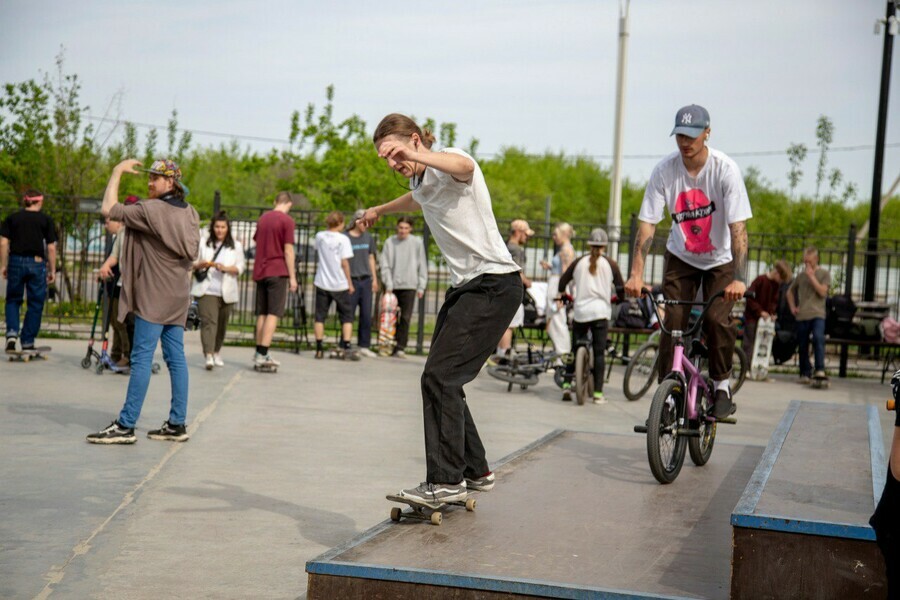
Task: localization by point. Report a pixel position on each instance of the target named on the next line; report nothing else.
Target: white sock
(725, 384)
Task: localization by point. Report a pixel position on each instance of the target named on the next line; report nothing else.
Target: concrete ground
(279, 467)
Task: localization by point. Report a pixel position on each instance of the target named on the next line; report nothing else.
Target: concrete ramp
(574, 515)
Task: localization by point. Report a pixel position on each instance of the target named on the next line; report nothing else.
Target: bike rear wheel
(641, 371)
(665, 448)
(584, 374)
(701, 448)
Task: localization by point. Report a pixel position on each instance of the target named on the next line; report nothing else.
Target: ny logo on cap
(686, 118)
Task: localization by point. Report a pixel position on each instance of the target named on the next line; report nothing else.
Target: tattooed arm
(736, 289)
(643, 241)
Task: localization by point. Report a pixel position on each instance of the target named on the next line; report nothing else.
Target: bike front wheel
(700, 448)
(665, 448)
(641, 371)
(584, 374)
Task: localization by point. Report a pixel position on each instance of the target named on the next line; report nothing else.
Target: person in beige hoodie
(159, 251)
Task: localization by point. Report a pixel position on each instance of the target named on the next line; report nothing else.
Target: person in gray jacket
(404, 271)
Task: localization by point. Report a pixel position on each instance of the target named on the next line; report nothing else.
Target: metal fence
(83, 241)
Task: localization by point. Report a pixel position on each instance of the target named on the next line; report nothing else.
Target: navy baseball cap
(691, 121)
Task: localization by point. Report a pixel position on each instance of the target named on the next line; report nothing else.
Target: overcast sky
(536, 74)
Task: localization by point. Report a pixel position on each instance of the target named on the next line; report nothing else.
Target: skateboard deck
(27, 355)
(265, 368)
(425, 512)
(820, 382)
(387, 324)
(762, 349)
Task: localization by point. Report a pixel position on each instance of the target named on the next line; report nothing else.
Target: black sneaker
(28, 346)
(435, 494)
(171, 433)
(11, 344)
(320, 354)
(485, 483)
(114, 434)
(723, 406)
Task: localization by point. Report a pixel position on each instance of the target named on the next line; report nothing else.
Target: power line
(255, 138)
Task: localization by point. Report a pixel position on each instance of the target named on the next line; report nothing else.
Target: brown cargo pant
(681, 282)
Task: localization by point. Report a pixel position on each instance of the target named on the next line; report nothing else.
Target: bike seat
(698, 348)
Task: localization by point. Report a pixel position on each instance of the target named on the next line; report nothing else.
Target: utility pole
(614, 216)
(890, 30)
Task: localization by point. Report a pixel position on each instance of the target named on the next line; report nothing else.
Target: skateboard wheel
(395, 514)
(436, 518)
(470, 504)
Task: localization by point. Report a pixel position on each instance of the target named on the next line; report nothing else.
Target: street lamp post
(891, 26)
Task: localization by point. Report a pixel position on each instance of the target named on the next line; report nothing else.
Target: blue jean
(25, 276)
(362, 297)
(146, 336)
(816, 328)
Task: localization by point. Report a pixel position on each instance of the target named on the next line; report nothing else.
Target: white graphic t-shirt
(702, 207)
(331, 247)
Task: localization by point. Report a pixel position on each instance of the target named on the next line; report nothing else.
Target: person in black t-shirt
(28, 262)
(886, 520)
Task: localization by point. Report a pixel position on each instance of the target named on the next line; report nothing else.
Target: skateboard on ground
(762, 349)
(425, 512)
(27, 355)
(820, 382)
(387, 324)
(344, 354)
(265, 368)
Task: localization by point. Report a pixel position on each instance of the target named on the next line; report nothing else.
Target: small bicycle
(680, 412)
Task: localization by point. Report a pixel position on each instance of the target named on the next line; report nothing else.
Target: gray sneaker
(433, 495)
(803, 380)
(11, 343)
(114, 434)
(485, 483)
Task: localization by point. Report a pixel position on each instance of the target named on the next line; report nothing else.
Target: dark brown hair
(408, 220)
(284, 198)
(211, 240)
(403, 126)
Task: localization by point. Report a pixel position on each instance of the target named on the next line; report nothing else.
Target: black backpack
(839, 312)
(632, 314)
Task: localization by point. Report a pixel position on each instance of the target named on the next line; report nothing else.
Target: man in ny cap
(157, 254)
(28, 262)
(704, 194)
(364, 277)
(519, 232)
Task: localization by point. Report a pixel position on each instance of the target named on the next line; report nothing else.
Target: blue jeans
(362, 297)
(146, 336)
(25, 276)
(816, 328)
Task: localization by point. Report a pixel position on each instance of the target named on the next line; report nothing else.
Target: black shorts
(271, 296)
(341, 299)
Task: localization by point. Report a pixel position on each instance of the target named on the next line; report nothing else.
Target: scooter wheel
(99, 368)
(86, 362)
(155, 368)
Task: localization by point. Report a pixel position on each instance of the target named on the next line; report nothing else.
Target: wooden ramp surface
(577, 515)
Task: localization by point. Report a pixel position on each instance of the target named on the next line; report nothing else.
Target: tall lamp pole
(614, 216)
(891, 27)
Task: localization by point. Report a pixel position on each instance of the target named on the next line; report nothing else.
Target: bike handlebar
(705, 304)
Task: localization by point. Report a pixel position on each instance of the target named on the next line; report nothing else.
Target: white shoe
(218, 360)
(367, 353)
(210, 363)
(399, 354)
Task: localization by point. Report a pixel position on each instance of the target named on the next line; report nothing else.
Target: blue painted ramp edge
(745, 514)
(477, 582)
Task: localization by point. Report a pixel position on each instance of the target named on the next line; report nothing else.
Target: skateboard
(27, 355)
(265, 368)
(387, 324)
(425, 512)
(344, 354)
(762, 349)
(820, 382)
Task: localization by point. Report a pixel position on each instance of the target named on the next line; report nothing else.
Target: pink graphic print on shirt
(693, 213)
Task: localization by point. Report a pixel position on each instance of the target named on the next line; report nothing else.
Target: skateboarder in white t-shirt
(485, 292)
(703, 192)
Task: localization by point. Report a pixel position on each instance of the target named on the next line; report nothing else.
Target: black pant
(406, 300)
(469, 325)
(598, 331)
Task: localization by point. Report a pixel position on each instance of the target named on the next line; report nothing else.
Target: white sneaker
(367, 353)
(399, 354)
(210, 363)
(271, 361)
(218, 360)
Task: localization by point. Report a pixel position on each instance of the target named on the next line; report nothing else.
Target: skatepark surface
(282, 467)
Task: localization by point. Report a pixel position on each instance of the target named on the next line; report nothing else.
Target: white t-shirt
(462, 222)
(331, 247)
(702, 207)
(593, 293)
(215, 278)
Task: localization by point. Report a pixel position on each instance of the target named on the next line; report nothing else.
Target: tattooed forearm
(739, 250)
